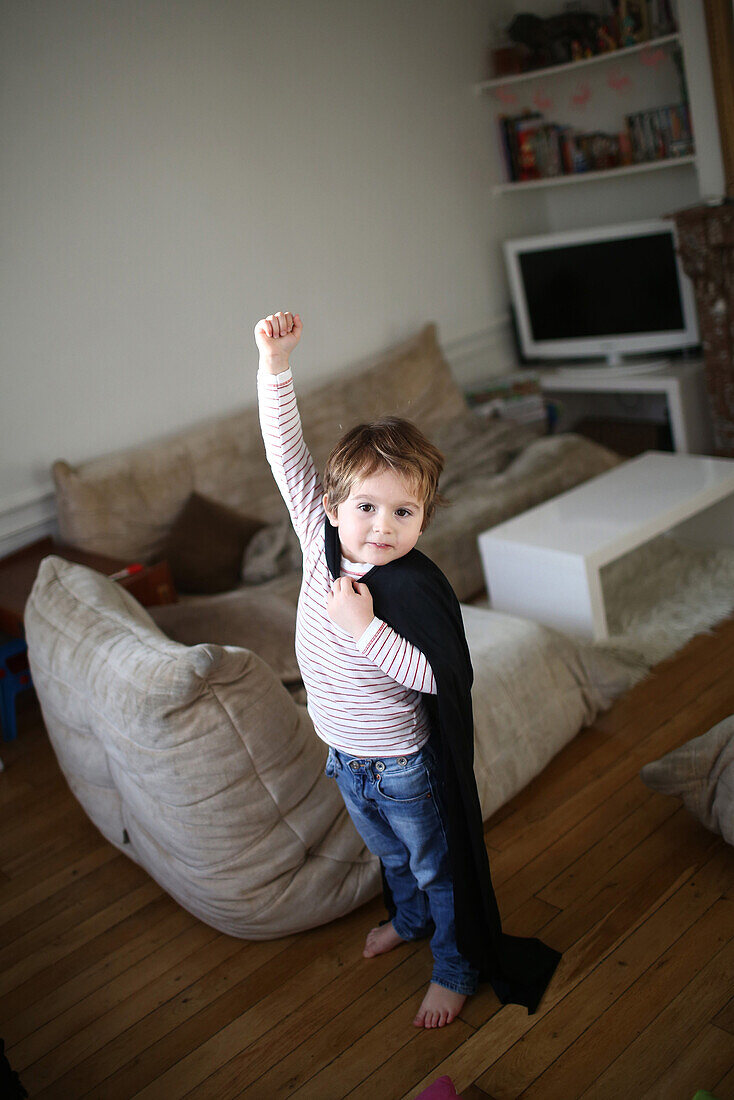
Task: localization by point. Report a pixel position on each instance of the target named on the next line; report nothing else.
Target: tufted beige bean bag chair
(194, 761)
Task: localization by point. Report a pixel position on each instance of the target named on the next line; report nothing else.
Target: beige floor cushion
(195, 762)
(701, 773)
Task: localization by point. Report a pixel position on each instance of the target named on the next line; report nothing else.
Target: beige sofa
(124, 504)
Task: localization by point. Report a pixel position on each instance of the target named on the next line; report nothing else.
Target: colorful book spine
(660, 132)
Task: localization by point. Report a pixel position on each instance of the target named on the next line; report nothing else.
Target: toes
(418, 1021)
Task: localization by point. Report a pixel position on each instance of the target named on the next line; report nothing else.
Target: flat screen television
(610, 292)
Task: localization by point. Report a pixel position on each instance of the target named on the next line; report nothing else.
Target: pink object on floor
(441, 1089)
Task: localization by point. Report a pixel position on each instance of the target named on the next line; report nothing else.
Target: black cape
(415, 598)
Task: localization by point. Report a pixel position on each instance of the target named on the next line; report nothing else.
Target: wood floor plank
(122, 1064)
(570, 865)
(673, 851)
(709, 1053)
(71, 865)
(53, 846)
(58, 814)
(724, 1087)
(293, 1011)
(579, 856)
(110, 882)
(41, 904)
(110, 1012)
(98, 963)
(333, 1063)
(165, 1036)
(303, 968)
(654, 1050)
(48, 952)
(409, 1063)
(15, 794)
(622, 993)
(725, 1018)
(355, 1065)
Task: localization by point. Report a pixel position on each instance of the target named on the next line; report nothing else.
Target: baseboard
(25, 518)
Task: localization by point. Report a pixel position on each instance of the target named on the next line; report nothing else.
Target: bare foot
(380, 940)
(440, 1006)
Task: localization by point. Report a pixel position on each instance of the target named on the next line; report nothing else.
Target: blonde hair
(388, 443)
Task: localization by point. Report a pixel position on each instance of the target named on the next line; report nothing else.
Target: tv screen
(603, 288)
(601, 292)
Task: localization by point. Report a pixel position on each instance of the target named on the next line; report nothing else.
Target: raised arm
(290, 460)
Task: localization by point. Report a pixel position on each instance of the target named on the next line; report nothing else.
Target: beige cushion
(123, 504)
(249, 618)
(701, 773)
(474, 446)
(199, 756)
(273, 551)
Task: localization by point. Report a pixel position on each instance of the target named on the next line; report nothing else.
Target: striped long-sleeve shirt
(364, 696)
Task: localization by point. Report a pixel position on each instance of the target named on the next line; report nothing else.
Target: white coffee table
(545, 564)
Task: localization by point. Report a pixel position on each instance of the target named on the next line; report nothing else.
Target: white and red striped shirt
(364, 697)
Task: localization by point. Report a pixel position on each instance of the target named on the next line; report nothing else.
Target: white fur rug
(657, 598)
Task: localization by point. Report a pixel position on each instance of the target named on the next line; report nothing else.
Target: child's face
(380, 520)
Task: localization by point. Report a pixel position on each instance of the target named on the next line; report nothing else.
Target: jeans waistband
(424, 755)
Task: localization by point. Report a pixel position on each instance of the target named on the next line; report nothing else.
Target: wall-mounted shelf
(610, 55)
(586, 177)
(654, 125)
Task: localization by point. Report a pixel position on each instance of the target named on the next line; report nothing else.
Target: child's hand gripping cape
(414, 597)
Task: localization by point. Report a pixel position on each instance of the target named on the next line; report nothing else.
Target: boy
(388, 678)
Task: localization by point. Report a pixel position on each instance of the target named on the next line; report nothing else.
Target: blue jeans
(393, 802)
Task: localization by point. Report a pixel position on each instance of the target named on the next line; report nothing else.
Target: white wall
(175, 169)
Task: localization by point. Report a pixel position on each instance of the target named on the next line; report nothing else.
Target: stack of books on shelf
(515, 397)
(661, 132)
(533, 148)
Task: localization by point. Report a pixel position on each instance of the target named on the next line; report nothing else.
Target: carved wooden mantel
(706, 243)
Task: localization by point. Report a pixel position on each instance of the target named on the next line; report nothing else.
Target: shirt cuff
(265, 378)
(368, 634)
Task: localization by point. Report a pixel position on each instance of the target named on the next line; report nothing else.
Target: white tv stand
(683, 385)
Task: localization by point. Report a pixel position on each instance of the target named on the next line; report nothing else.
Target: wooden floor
(109, 989)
